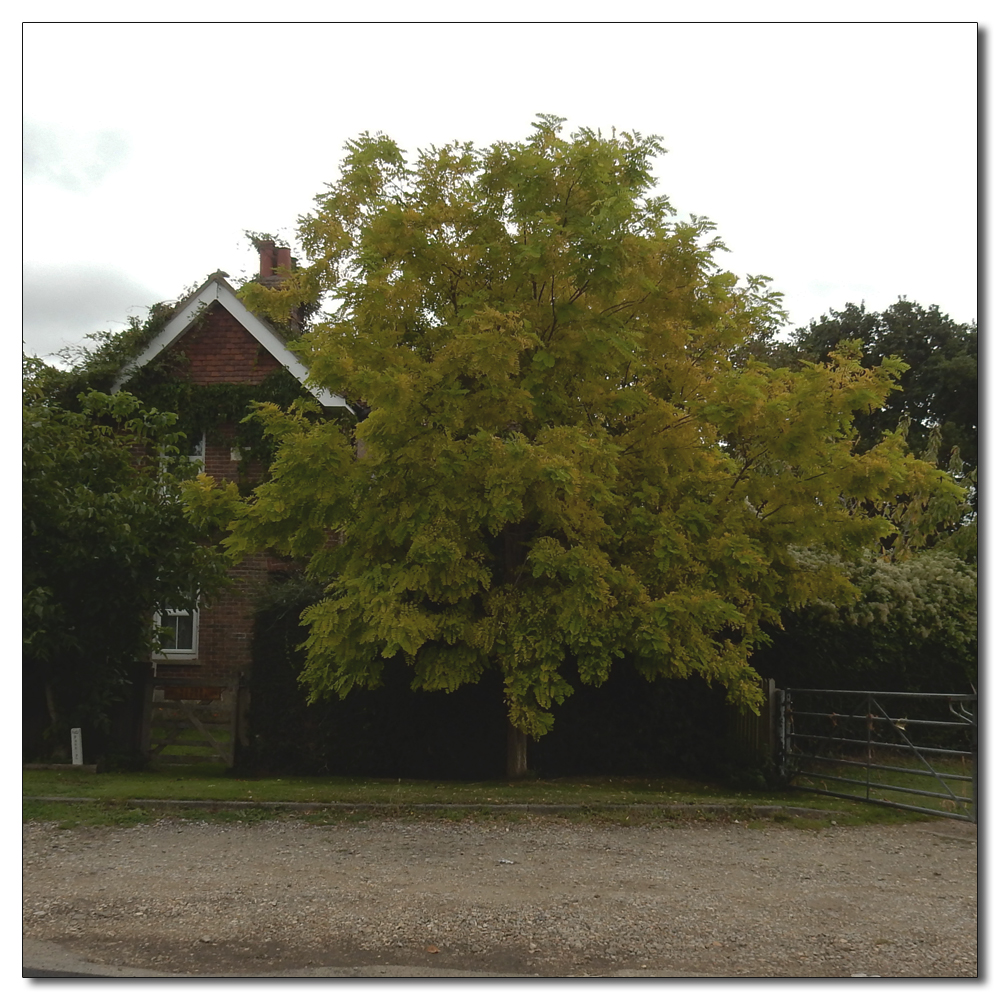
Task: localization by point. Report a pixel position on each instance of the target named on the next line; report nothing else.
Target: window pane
(181, 625)
(185, 632)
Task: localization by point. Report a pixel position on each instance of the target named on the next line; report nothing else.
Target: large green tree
(105, 544)
(559, 466)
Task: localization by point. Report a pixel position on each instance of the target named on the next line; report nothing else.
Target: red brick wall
(226, 626)
(225, 629)
(218, 460)
(219, 349)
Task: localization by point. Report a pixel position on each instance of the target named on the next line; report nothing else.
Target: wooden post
(242, 720)
(146, 717)
(768, 714)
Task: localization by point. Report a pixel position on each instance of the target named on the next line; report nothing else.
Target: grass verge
(893, 778)
(623, 801)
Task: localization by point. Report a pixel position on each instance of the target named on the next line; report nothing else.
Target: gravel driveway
(542, 897)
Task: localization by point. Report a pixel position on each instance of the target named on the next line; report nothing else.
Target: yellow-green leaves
(560, 467)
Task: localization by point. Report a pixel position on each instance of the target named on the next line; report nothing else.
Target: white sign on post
(76, 742)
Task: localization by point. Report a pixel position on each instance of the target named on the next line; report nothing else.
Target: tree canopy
(105, 542)
(559, 465)
(939, 389)
(913, 624)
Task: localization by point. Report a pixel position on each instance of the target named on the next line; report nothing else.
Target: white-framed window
(193, 450)
(179, 635)
(196, 448)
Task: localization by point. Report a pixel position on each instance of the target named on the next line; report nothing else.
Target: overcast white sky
(838, 158)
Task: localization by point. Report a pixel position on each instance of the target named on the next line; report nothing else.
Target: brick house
(195, 702)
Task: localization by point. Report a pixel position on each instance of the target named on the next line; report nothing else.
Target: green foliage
(912, 626)
(923, 635)
(939, 390)
(628, 726)
(105, 543)
(562, 467)
(963, 543)
(922, 517)
(97, 364)
(392, 732)
(218, 409)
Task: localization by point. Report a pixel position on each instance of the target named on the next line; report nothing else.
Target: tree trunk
(50, 704)
(517, 752)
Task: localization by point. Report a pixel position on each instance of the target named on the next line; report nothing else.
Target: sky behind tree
(838, 158)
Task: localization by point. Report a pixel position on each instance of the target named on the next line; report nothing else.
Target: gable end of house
(225, 342)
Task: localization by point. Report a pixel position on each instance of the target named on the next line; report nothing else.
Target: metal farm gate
(911, 751)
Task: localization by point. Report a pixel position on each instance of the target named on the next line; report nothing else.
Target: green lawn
(160, 733)
(208, 782)
(893, 769)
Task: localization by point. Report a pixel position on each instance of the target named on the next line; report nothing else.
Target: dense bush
(913, 627)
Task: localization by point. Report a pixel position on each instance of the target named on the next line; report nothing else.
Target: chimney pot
(283, 259)
(267, 258)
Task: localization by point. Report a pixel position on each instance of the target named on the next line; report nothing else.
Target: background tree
(936, 410)
(560, 467)
(938, 391)
(105, 544)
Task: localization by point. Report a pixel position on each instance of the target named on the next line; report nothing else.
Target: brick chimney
(275, 265)
(272, 260)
